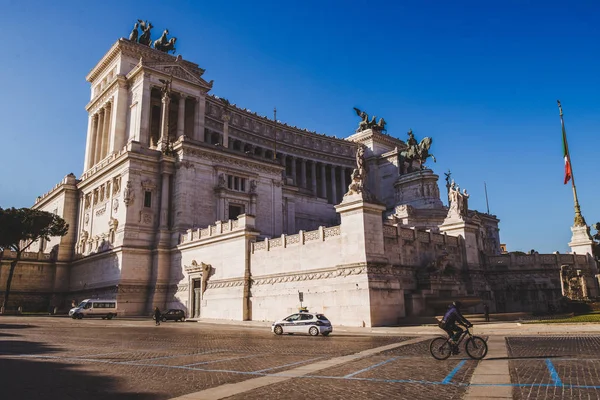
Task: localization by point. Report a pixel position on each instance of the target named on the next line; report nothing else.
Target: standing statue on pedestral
(165, 45)
(145, 38)
(133, 36)
(359, 177)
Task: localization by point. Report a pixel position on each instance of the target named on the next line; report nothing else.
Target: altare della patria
(189, 201)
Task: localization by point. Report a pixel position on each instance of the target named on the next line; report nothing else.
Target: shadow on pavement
(39, 378)
(16, 326)
(28, 379)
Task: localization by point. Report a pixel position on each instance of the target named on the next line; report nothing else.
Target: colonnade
(100, 134)
(322, 179)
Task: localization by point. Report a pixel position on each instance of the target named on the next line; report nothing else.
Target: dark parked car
(172, 315)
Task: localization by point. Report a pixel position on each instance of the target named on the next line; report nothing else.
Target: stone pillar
(294, 169)
(98, 141)
(323, 181)
(361, 243)
(199, 119)
(120, 108)
(181, 116)
(164, 202)
(164, 118)
(91, 141)
(145, 105)
(334, 199)
(225, 117)
(345, 182)
(106, 130)
(283, 162)
(313, 177)
(303, 173)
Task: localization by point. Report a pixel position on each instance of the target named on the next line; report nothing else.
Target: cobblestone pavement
(555, 367)
(60, 358)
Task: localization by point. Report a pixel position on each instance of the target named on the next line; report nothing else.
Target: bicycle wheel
(476, 347)
(440, 348)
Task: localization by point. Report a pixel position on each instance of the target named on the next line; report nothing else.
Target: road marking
(369, 368)
(491, 378)
(287, 365)
(231, 389)
(448, 378)
(553, 373)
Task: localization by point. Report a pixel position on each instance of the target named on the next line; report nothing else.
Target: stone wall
(33, 282)
(532, 282)
(308, 262)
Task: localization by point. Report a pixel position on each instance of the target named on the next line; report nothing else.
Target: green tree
(597, 240)
(20, 228)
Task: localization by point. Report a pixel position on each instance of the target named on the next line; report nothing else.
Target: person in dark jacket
(452, 316)
(157, 316)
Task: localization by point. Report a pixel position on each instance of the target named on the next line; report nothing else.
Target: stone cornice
(137, 50)
(109, 91)
(266, 125)
(69, 182)
(229, 158)
(368, 134)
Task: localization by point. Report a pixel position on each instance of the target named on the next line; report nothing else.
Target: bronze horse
(418, 153)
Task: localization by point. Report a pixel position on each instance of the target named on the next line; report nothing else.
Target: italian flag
(566, 154)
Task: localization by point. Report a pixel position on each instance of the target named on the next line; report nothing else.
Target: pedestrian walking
(486, 312)
(157, 316)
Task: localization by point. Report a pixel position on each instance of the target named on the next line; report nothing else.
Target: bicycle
(441, 348)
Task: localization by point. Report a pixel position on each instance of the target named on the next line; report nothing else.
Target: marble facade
(188, 201)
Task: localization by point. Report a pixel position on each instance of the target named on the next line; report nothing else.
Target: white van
(107, 309)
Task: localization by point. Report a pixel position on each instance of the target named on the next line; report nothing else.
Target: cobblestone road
(60, 358)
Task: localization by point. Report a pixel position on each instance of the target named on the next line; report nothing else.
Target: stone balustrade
(512, 260)
(322, 234)
(219, 228)
(26, 256)
(412, 234)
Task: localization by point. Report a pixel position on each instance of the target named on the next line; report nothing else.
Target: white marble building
(160, 169)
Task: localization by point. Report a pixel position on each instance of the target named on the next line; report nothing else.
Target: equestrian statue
(415, 153)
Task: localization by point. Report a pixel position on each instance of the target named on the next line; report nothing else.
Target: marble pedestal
(418, 189)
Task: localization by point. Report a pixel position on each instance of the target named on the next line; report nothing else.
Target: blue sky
(481, 78)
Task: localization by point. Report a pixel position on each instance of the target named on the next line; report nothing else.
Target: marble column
(89, 157)
(283, 162)
(181, 116)
(164, 121)
(199, 119)
(313, 177)
(225, 117)
(164, 202)
(294, 169)
(345, 181)
(333, 186)
(323, 181)
(99, 130)
(106, 130)
(303, 173)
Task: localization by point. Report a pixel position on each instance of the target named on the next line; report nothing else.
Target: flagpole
(486, 198)
(579, 220)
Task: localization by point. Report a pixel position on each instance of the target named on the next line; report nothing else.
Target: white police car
(303, 322)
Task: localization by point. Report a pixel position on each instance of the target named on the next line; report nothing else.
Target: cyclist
(448, 324)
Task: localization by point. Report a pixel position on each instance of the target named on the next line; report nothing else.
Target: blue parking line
(370, 368)
(553, 373)
(449, 377)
